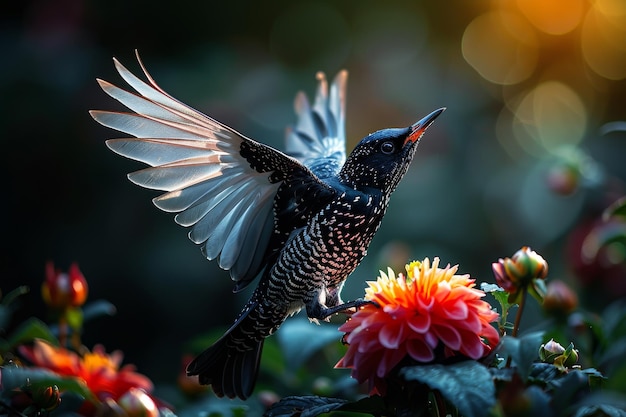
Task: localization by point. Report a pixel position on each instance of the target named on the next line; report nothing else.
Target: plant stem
(518, 319)
(518, 316)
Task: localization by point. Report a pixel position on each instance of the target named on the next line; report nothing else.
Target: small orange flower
(432, 310)
(100, 372)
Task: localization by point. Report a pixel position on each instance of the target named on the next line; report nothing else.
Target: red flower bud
(62, 290)
(519, 271)
(559, 299)
(137, 403)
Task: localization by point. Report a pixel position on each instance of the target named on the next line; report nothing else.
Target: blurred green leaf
(14, 294)
(74, 317)
(300, 339)
(374, 405)
(614, 320)
(29, 330)
(6, 309)
(566, 390)
(306, 406)
(599, 410)
(467, 385)
(14, 377)
(522, 350)
(97, 309)
(617, 209)
(211, 406)
(272, 361)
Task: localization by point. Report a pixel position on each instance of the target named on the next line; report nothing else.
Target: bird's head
(382, 158)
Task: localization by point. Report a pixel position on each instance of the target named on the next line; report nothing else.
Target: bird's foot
(350, 307)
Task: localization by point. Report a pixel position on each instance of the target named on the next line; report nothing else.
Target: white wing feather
(196, 160)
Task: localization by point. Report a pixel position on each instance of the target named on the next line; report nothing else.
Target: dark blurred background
(522, 156)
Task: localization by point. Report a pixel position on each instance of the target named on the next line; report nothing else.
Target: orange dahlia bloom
(429, 314)
(99, 371)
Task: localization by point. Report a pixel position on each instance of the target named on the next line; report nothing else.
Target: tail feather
(231, 372)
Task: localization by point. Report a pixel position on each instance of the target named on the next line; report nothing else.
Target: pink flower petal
(389, 360)
(456, 311)
(419, 323)
(431, 339)
(369, 344)
(448, 335)
(420, 351)
(472, 346)
(390, 336)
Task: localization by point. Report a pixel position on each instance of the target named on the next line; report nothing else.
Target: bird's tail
(231, 364)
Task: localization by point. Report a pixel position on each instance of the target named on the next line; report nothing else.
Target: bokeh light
(603, 38)
(552, 114)
(555, 17)
(501, 46)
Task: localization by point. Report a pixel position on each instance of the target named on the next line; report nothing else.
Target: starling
(297, 222)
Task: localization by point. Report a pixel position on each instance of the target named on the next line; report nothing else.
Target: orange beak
(418, 129)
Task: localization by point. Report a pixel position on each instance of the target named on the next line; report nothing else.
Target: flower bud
(570, 355)
(47, 398)
(137, 403)
(552, 352)
(61, 290)
(559, 300)
(107, 408)
(564, 179)
(520, 271)
(549, 351)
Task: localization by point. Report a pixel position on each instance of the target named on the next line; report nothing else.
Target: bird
(296, 222)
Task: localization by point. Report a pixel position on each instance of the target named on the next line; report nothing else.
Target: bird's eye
(387, 147)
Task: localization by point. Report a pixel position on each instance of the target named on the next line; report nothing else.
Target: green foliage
(28, 331)
(15, 378)
(299, 340)
(502, 297)
(307, 406)
(467, 385)
(523, 351)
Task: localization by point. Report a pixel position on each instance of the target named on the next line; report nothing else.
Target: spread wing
(221, 183)
(318, 140)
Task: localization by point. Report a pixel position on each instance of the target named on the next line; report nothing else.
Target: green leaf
(29, 330)
(6, 305)
(467, 385)
(599, 410)
(498, 293)
(300, 339)
(543, 373)
(97, 309)
(523, 351)
(306, 406)
(13, 377)
(502, 297)
(374, 405)
(273, 360)
(14, 294)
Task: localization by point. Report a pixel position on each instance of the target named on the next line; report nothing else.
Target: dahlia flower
(428, 315)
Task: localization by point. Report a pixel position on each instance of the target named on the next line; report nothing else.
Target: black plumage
(299, 221)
